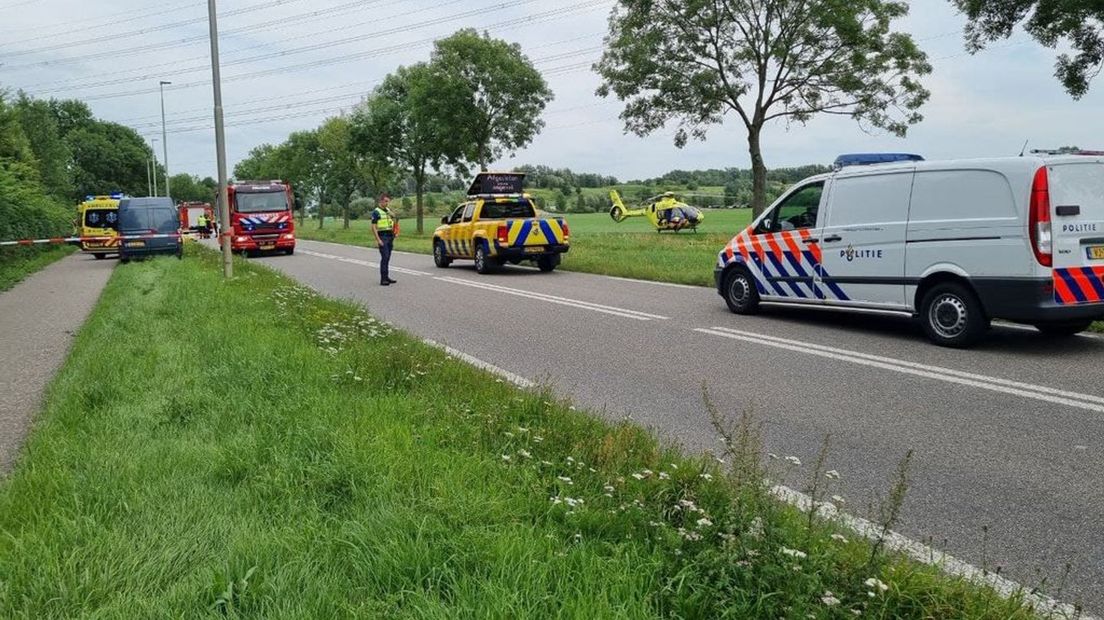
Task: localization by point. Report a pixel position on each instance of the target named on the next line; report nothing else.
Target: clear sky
(287, 64)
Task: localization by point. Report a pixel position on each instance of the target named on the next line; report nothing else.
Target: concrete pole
(153, 154)
(225, 229)
(164, 136)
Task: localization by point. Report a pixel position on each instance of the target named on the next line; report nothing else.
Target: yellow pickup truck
(498, 224)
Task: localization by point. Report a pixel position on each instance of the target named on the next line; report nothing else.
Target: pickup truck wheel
(952, 316)
(546, 263)
(440, 255)
(482, 261)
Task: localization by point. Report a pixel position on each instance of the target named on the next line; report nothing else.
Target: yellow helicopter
(664, 211)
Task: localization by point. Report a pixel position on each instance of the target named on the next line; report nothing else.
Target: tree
(490, 97)
(107, 157)
(258, 164)
(1078, 24)
(40, 126)
(695, 61)
(341, 160)
(400, 122)
(188, 188)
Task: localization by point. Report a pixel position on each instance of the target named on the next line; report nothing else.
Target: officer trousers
(387, 241)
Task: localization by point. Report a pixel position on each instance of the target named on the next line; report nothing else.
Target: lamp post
(225, 229)
(164, 135)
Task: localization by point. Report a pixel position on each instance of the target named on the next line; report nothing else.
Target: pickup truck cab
(498, 224)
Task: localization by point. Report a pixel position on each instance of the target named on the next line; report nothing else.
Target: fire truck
(261, 217)
(189, 217)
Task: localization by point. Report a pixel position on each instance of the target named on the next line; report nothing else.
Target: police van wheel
(482, 262)
(740, 293)
(124, 259)
(1065, 328)
(440, 255)
(952, 316)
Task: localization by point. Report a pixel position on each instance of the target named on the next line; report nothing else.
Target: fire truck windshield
(260, 202)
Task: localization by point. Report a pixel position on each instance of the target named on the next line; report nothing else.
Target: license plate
(1096, 252)
(268, 246)
(136, 244)
(534, 250)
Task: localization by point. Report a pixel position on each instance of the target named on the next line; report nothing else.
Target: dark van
(156, 220)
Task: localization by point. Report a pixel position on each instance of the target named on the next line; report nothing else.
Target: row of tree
(476, 99)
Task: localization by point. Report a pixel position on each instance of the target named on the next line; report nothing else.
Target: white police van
(954, 243)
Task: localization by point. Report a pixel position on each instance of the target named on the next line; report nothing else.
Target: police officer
(202, 224)
(383, 226)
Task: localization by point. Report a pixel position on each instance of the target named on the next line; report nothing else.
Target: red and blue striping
(1079, 285)
(780, 267)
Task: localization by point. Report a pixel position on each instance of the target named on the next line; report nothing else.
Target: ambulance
(98, 222)
(955, 244)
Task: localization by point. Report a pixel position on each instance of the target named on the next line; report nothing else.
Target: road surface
(1006, 436)
(38, 319)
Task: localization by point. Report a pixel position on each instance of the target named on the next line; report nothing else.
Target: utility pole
(225, 229)
(164, 135)
(153, 154)
(149, 182)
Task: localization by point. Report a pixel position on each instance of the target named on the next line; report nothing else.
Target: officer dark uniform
(383, 225)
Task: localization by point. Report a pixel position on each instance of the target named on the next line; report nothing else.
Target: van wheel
(440, 255)
(952, 316)
(124, 259)
(1064, 328)
(740, 293)
(546, 263)
(482, 262)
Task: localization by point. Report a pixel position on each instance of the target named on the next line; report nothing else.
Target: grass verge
(313, 462)
(16, 263)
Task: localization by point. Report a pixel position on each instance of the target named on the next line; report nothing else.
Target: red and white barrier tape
(63, 240)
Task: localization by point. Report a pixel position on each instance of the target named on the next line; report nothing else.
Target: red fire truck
(189, 217)
(261, 216)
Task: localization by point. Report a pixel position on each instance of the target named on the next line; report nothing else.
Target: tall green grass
(16, 263)
(252, 450)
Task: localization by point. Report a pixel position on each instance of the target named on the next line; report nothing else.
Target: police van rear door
(1076, 192)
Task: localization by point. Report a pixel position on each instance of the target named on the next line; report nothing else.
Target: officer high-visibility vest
(385, 223)
(201, 220)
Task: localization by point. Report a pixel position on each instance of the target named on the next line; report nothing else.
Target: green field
(17, 263)
(630, 249)
(319, 464)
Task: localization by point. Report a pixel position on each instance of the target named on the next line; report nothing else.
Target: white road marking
(892, 540)
(517, 380)
(563, 301)
(925, 554)
(1027, 390)
(365, 263)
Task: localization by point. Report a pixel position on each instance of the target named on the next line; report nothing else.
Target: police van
(953, 243)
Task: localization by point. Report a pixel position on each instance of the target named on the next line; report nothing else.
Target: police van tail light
(502, 235)
(1038, 224)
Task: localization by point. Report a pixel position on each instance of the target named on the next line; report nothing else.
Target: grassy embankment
(630, 249)
(318, 464)
(19, 262)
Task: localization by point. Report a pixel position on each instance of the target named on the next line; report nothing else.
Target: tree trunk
(345, 212)
(321, 209)
(758, 172)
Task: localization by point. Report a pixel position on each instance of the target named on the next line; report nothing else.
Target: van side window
(469, 210)
(797, 211)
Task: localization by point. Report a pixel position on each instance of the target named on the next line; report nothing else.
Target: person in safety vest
(203, 225)
(383, 227)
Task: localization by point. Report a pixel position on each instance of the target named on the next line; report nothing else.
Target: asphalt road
(1006, 437)
(38, 319)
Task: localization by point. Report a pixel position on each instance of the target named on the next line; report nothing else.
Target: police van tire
(740, 293)
(1064, 328)
(952, 315)
(483, 262)
(546, 263)
(440, 255)
(124, 259)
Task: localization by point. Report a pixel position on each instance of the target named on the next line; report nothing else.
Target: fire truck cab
(261, 218)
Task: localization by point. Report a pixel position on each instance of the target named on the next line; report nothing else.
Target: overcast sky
(287, 64)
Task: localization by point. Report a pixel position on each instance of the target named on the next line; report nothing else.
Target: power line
(108, 20)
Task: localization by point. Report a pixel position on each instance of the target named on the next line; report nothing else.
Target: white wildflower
(564, 479)
(839, 538)
(873, 583)
(703, 522)
(706, 476)
(793, 460)
(856, 612)
(772, 456)
(664, 475)
(608, 489)
(638, 476)
(832, 474)
(506, 457)
(837, 499)
(524, 454)
(829, 599)
(793, 553)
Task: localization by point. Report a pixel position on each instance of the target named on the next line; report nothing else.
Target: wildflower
(509, 434)
(573, 502)
(743, 563)
(564, 479)
(673, 466)
(706, 476)
(839, 538)
(608, 489)
(772, 456)
(855, 612)
(832, 474)
(638, 476)
(829, 599)
(546, 463)
(647, 472)
(537, 439)
(570, 459)
(873, 583)
(756, 529)
(524, 454)
(506, 457)
(664, 475)
(837, 499)
(522, 429)
(571, 408)
(703, 522)
(793, 460)
(793, 553)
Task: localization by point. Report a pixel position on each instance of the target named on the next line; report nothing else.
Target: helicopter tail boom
(619, 212)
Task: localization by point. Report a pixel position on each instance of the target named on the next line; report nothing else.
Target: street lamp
(164, 136)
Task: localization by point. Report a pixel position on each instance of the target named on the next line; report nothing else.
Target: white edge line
(517, 380)
(894, 541)
(927, 555)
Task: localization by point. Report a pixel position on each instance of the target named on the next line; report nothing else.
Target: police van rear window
(509, 209)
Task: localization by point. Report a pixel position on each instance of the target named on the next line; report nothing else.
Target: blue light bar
(866, 159)
(117, 195)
